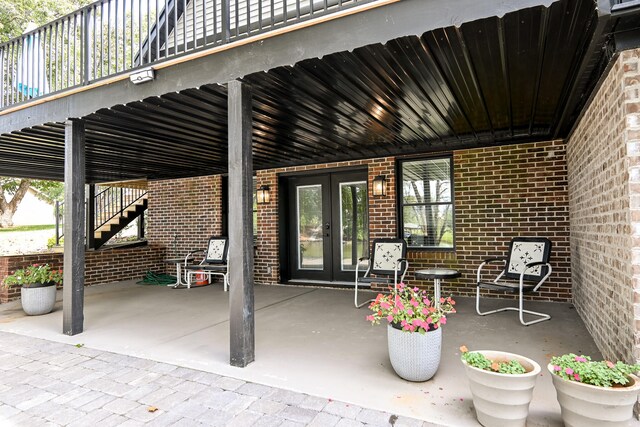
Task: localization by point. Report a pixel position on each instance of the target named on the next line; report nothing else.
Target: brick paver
(40, 386)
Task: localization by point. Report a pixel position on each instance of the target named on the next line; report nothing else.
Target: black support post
(241, 300)
(74, 228)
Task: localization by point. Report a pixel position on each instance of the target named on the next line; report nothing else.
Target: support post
(241, 299)
(74, 228)
(91, 215)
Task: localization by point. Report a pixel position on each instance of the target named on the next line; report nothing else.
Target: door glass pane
(354, 230)
(310, 243)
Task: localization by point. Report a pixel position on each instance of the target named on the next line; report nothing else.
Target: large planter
(414, 356)
(38, 299)
(585, 405)
(502, 400)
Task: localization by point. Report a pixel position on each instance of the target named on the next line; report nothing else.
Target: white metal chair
(214, 261)
(387, 262)
(527, 266)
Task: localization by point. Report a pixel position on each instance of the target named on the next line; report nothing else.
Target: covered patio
(310, 340)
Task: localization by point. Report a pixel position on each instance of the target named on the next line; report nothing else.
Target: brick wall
(104, 266)
(184, 213)
(602, 181)
(500, 193)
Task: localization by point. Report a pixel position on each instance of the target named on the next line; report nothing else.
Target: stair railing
(109, 203)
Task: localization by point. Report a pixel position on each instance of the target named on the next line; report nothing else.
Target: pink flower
(580, 359)
(576, 377)
(557, 368)
(400, 305)
(568, 371)
(410, 312)
(426, 301)
(385, 305)
(370, 318)
(390, 318)
(400, 285)
(429, 320)
(416, 322)
(395, 310)
(425, 311)
(414, 303)
(443, 320)
(442, 300)
(610, 364)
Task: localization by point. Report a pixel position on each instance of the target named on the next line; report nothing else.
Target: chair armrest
(532, 265)
(489, 261)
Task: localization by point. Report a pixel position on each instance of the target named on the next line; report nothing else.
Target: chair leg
(355, 299)
(520, 309)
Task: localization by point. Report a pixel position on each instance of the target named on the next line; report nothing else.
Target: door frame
(285, 230)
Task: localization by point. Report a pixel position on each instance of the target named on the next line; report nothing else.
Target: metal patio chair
(526, 268)
(387, 262)
(214, 261)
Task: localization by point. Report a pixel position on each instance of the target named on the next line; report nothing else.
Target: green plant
(411, 309)
(478, 360)
(34, 274)
(582, 369)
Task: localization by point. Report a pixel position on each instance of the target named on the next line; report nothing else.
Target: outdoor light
(142, 76)
(379, 186)
(262, 195)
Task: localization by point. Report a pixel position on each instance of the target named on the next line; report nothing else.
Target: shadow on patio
(313, 341)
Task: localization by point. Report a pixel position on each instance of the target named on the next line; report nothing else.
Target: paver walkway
(44, 383)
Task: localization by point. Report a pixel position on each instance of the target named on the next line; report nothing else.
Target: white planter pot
(502, 400)
(37, 301)
(414, 356)
(585, 405)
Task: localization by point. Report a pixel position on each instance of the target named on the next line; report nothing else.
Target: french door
(328, 225)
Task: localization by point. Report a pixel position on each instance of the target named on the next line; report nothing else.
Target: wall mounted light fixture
(262, 195)
(379, 186)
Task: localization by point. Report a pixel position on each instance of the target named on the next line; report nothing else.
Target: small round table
(437, 274)
(178, 262)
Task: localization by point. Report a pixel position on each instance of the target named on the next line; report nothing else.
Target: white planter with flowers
(594, 394)
(38, 282)
(414, 332)
(502, 385)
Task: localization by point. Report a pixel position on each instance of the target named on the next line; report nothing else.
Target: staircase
(112, 209)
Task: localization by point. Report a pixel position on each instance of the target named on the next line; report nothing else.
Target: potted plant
(38, 293)
(594, 393)
(414, 330)
(501, 385)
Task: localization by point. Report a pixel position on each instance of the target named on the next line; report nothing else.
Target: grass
(28, 228)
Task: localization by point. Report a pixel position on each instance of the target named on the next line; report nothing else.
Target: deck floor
(311, 340)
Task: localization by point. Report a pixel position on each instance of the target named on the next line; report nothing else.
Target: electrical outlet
(269, 269)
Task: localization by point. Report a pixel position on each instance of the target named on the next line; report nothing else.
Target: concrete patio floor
(312, 341)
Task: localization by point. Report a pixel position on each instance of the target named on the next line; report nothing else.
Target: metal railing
(111, 37)
(109, 203)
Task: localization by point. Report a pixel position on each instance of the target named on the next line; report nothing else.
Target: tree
(16, 14)
(16, 189)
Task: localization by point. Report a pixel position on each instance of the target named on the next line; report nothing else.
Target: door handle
(327, 227)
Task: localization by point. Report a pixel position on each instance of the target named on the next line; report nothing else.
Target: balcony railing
(110, 37)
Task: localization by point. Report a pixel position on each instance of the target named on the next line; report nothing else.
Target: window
(426, 203)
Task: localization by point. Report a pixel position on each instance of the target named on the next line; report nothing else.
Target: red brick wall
(184, 213)
(500, 193)
(104, 266)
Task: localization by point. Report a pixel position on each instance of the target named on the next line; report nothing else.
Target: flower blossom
(580, 359)
(568, 371)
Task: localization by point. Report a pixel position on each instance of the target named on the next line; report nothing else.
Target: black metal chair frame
(527, 273)
(210, 266)
(398, 264)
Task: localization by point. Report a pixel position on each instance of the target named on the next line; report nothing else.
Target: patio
(310, 340)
